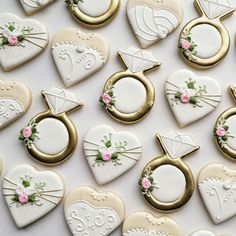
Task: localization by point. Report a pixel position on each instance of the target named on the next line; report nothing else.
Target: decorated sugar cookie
(225, 130)
(143, 223)
(88, 212)
(204, 41)
(33, 6)
(110, 152)
(167, 183)
(1, 167)
(129, 95)
(205, 232)
(15, 101)
(40, 136)
(78, 55)
(20, 40)
(30, 194)
(153, 20)
(217, 184)
(91, 14)
(190, 97)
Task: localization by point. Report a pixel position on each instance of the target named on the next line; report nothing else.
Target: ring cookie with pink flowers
(31, 193)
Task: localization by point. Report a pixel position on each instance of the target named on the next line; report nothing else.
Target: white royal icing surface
(49, 130)
(231, 122)
(143, 232)
(130, 95)
(207, 39)
(47, 198)
(33, 44)
(86, 219)
(128, 155)
(91, 8)
(187, 113)
(203, 233)
(171, 183)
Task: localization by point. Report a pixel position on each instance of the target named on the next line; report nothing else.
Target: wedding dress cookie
(204, 232)
(78, 55)
(88, 212)
(20, 40)
(153, 20)
(30, 194)
(110, 152)
(15, 101)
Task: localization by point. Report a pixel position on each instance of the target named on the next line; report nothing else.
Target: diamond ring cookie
(129, 95)
(110, 152)
(15, 101)
(30, 194)
(205, 232)
(91, 14)
(20, 40)
(217, 184)
(225, 130)
(78, 55)
(204, 41)
(167, 183)
(153, 20)
(33, 6)
(40, 137)
(191, 97)
(88, 212)
(143, 223)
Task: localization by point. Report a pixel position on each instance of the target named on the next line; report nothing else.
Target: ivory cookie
(191, 97)
(88, 212)
(205, 232)
(143, 223)
(110, 152)
(217, 185)
(20, 40)
(33, 6)
(15, 101)
(153, 20)
(78, 55)
(30, 194)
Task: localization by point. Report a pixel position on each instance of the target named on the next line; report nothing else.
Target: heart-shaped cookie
(110, 153)
(153, 20)
(30, 194)
(78, 55)
(88, 212)
(190, 97)
(20, 40)
(33, 6)
(15, 100)
(205, 232)
(217, 185)
(143, 223)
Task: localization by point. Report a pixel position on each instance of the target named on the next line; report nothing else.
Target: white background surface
(41, 73)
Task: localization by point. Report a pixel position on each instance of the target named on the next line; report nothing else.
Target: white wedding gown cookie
(20, 40)
(190, 97)
(110, 152)
(153, 20)
(30, 194)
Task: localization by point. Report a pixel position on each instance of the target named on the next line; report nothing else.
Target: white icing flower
(190, 92)
(19, 189)
(7, 33)
(29, 191)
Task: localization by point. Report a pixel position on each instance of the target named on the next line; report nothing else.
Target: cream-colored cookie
(103, 210)
(15, 101)
(205, 232)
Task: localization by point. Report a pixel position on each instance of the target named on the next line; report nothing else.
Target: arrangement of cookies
(50, 137)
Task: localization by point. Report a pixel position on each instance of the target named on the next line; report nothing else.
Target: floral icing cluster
(146, 183)
(221, 132)
(188, 46)
(25, 193)
(108, 152)
(14, 36)
(189, 94)
(28, 134)
(108, 98)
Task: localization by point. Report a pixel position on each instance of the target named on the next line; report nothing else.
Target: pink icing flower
(27, 132)
(220, 132)
(23, 198)
(106, 156)
(185, 44)
(185, 98)
(146, 183)
(106, 98)
(13, 40)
